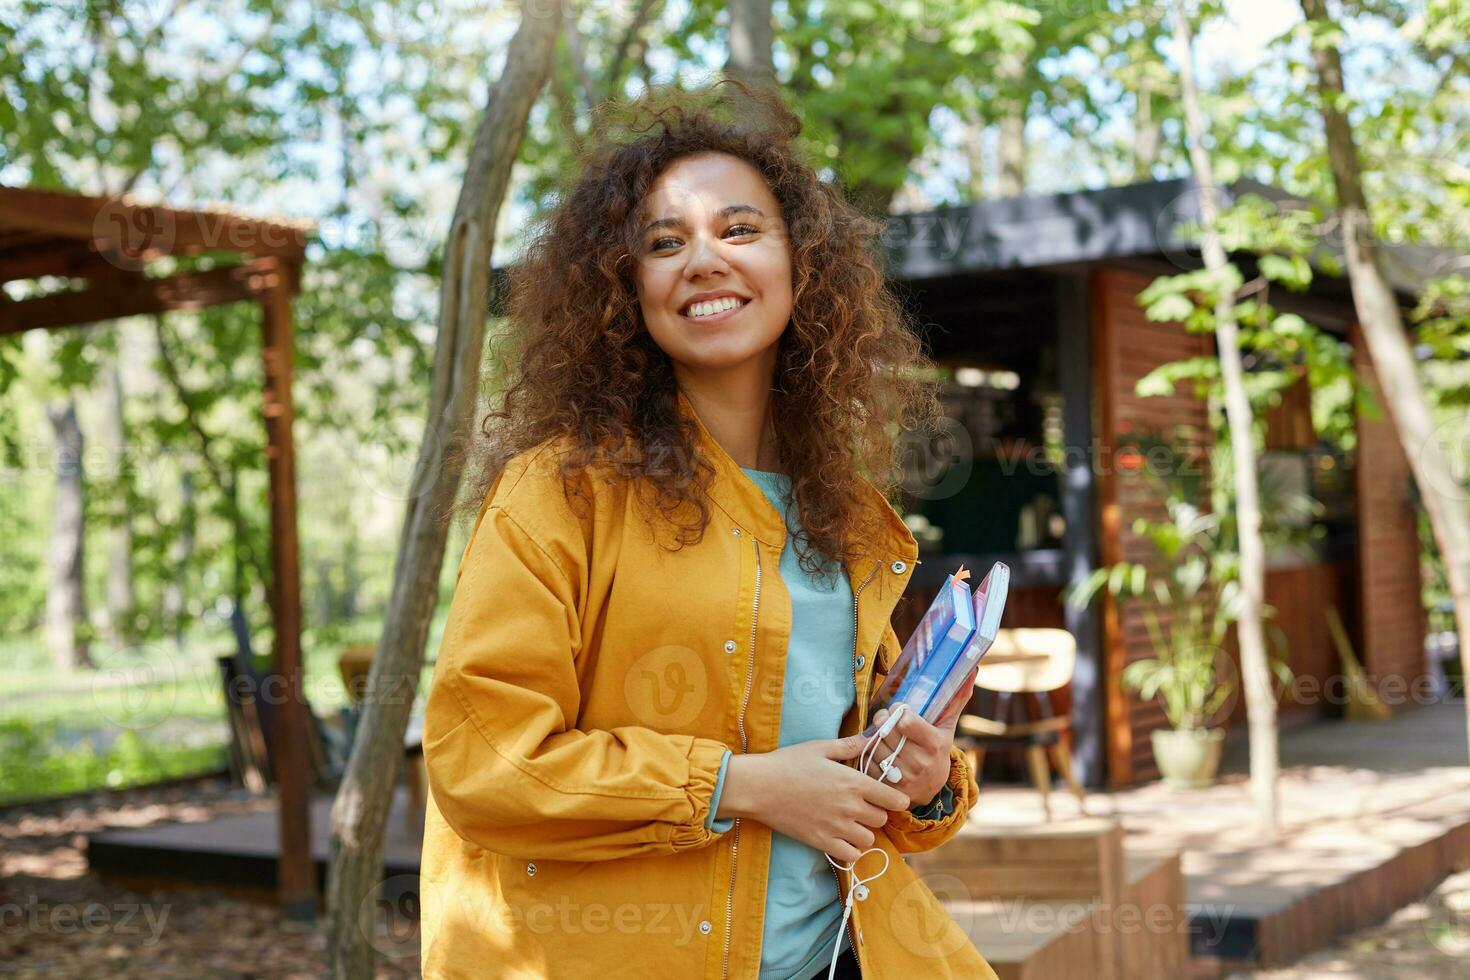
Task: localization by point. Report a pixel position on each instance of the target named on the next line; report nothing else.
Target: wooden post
(1079, 507)
(296, 870)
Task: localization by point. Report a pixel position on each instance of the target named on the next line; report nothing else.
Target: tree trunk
(66, 600)
(1146, 133)
(1383, 332)
(751, 38)
(1260, 699)
(975, 155)
(175, 594)
(1011, 147)
(121, 599)
(351, 577)
(361, 807)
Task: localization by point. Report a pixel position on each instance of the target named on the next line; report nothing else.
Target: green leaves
(1291, 270)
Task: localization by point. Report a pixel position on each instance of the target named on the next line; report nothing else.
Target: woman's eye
(738, 229)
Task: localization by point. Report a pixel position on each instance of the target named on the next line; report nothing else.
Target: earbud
(893, 774)
(891, 721)
(862, 892)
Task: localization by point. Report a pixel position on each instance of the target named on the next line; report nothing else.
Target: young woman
(676, 597)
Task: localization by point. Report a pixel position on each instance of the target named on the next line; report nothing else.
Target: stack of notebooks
(941, 656)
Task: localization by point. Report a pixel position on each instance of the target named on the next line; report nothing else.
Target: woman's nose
(705, 257)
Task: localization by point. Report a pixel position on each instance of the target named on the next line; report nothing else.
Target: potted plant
(1190, 594)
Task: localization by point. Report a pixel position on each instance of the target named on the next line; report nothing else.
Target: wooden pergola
(106, 248)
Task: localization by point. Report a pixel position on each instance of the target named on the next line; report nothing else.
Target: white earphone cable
(891, 773)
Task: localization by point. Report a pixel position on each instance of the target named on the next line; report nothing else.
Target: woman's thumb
(847, 748)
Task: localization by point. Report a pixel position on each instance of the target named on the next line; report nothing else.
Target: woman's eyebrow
(676, 221)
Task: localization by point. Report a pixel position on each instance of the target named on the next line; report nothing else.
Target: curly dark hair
(582, 368)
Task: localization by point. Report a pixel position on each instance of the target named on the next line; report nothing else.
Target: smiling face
(713, 266)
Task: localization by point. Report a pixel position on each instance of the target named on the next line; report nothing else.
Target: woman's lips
(717, 317)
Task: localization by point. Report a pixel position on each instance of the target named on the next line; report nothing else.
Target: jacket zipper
(740, 721)
(850, 938)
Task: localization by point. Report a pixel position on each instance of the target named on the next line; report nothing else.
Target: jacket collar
(747, 505)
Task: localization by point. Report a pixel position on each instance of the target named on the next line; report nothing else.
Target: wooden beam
(136, 228)
(130, 295)
(1119, 731)
(296, 877)
(66, 257)
(1079, 508)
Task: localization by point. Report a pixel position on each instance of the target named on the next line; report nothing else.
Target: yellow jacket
(587, 686)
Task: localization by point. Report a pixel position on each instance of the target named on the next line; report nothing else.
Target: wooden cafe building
(1029, 307)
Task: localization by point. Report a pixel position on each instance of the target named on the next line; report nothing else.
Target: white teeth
(714, 306)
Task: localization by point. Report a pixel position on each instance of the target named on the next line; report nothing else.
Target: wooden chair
(1030, 663)
(355, 663)
(251, 719)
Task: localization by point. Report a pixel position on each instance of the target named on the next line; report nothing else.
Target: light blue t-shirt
(803, 908)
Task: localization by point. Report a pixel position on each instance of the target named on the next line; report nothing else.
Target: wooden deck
(239, 853)
(1374, 815)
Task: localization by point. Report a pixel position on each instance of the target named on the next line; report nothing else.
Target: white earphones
(892, 774)
(887, 768)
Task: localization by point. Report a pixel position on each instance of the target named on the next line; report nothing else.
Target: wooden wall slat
(1392, 619)
(1127, 345)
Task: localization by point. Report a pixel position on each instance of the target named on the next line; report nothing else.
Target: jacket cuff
(705, 759)
(910, 833)
(938, 808)
(710, 823)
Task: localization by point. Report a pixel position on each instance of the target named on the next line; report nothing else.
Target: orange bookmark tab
(962, 575)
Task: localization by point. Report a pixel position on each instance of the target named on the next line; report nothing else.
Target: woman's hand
(807, 793)
(924, 759)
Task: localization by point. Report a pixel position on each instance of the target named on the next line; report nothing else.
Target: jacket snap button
(729, 646)
(705, 927)
(531, 870)
(898, 567)
(861, 660)
(735, 531)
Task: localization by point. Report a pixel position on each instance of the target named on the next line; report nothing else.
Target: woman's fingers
(886, 795)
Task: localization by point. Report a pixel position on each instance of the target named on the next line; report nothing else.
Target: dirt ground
(1428, 940)
(58, 921)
